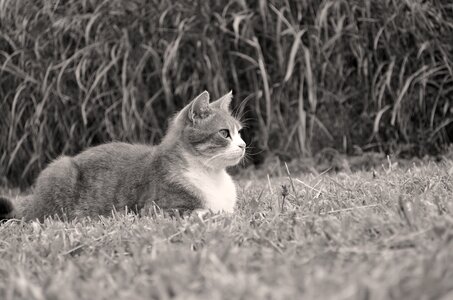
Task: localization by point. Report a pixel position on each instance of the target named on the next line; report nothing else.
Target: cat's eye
(225, 133)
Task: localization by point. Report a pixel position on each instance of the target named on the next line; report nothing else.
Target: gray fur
(119, 175)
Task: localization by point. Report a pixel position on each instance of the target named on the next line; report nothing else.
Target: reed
(372, 74)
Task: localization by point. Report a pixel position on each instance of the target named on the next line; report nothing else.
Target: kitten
(186, 171)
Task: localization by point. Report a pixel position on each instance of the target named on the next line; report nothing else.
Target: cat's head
(209, 132)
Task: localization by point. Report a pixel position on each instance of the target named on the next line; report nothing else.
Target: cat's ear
(224, 102)
(199, 107)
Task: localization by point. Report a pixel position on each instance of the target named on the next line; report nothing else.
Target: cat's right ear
(224, 102)
(199, 107)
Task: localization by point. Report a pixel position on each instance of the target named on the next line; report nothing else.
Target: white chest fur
(216, 189)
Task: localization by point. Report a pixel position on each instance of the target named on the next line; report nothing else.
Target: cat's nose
(242, 145)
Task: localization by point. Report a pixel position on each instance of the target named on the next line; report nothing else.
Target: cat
(185, 172)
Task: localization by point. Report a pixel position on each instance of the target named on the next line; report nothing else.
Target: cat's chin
(226, 161)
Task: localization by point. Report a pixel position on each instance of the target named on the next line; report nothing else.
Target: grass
(382, 234)
(343, 74)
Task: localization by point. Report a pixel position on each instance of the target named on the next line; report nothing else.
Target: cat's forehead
(220, 120)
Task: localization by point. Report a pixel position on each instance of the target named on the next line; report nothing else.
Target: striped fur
(185, 172)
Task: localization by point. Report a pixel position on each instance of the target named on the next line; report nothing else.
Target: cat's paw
(202, 213)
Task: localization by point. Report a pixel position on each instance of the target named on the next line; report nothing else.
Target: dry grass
(386, 234)
(377, 74)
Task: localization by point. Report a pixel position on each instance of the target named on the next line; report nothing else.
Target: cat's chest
(217, 190)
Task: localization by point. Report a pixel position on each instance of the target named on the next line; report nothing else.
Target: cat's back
(98, 167)
(114, 154)
(92, 182)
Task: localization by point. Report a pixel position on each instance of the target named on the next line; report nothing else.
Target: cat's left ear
(199, 107)
(224, 102)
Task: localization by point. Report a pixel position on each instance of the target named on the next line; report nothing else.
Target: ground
(380, 234)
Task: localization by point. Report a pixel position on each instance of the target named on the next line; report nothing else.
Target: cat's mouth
(226, 158)
(236, 156)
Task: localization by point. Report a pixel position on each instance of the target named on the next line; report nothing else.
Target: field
(313, 80)
(383, 234)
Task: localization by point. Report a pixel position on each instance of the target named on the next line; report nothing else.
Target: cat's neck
(199, 164)
(172, 137)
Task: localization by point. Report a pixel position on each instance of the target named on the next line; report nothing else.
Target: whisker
(249, 148)
(245, 160)
(245, 121)
(239, 111)
(215, 156)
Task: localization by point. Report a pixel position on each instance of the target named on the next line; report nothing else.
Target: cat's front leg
(202, 213)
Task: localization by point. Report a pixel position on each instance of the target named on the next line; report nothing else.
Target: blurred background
(351, 76)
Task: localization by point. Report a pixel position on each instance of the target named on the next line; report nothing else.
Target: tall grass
(376, 74)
